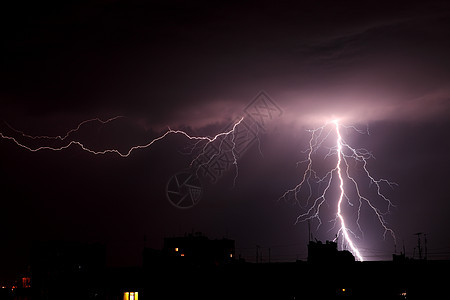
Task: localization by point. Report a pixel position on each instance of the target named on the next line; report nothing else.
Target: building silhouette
(319, 252)
(199, 249)
(67, 270)
(194, 266)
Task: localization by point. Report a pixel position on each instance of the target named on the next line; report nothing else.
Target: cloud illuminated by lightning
(347, 183)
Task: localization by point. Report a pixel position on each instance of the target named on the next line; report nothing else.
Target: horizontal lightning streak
(170, 131)
(60, 137)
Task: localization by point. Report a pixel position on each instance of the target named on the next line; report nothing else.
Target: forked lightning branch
(340, 175)
(229, 143)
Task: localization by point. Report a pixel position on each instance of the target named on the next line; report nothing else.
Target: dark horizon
(277, 70)
(198, 265)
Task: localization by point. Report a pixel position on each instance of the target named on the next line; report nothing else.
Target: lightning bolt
(201, 142)
(319, 136)
(65, 136)
(341, 170)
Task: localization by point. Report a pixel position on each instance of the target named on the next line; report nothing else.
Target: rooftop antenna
(309, 231)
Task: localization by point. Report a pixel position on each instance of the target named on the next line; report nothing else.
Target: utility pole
(419, 246)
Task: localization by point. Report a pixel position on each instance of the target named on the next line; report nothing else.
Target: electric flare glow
(345, 154)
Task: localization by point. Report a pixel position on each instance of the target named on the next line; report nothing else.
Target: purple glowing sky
(196, 66)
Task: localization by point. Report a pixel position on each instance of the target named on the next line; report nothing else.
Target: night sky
(196, 65)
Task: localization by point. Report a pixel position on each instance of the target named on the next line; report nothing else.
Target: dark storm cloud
(194, 63)
(397, 70)
(393, 67)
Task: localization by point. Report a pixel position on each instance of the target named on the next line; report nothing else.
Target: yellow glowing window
(176, 249)
(131, 296)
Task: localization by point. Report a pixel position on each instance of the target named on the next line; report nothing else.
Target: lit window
(131, 296)
(176, 249)
(26, 282)
(182, 254)
(231, 255)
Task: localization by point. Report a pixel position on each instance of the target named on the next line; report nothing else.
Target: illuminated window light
(182, 254)
(130, 296)
(231, 255)
(26, 282)
(176, 249)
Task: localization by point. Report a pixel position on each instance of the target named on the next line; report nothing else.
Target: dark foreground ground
(367, 280)
(239, 280)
